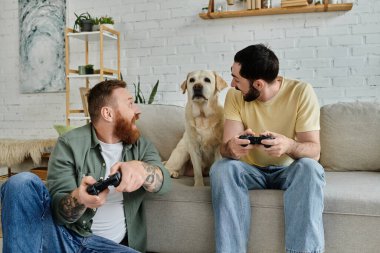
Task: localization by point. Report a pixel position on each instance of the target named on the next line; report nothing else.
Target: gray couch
(182, 220)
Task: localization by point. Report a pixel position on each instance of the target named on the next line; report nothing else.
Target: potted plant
(84, 22)
(96, 22)
(86, 69)
(107, 21)
(89, 68)
(139, 96)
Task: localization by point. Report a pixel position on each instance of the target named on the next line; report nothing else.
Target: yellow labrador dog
(203, 128)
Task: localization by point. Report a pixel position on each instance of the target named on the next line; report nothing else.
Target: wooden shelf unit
(326, 7)
(104, 34)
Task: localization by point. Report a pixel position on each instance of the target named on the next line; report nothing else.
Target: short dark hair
(257, 62)
(100, 96)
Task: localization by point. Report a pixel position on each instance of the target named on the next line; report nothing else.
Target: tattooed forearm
(71, 209)
(153, 181)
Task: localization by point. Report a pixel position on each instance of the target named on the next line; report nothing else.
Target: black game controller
(255, 140)
(103, 184)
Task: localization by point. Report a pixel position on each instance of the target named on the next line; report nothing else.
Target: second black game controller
(255, 139)
(101, 184)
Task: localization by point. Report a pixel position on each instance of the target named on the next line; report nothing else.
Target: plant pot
(89, 71)
(85, 70)
(86, 26)
(109, 26)
(81, 70)
(95, 27)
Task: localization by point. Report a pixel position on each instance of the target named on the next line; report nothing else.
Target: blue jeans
(303, 183)
(28, 225)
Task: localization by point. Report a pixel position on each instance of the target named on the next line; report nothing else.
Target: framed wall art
(42, 45)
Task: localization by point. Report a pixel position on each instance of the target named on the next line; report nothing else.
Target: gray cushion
(356, 193)
(163, 125)
(350, 138)
(185, 215)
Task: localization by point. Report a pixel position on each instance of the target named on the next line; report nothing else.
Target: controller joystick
(101, 184)
(255, 140)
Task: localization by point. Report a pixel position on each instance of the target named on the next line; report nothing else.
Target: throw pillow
(62, 129)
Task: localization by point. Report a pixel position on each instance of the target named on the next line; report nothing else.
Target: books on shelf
(258, 4)
(293, 3)
(251, 4)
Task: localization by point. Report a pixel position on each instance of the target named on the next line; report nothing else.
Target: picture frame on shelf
(84, 97)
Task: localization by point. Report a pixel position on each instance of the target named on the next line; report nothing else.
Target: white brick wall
(337, 52)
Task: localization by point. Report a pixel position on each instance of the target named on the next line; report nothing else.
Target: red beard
(125, 130)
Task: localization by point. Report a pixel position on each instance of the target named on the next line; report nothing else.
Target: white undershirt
(109, 220)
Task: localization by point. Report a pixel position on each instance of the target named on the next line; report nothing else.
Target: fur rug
(14, 152)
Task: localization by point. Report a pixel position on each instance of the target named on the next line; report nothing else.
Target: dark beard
(124, 129)
(252, 94)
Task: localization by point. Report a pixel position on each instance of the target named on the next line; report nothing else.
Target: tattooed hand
(136, 174)
(73, 205)
(153, 181)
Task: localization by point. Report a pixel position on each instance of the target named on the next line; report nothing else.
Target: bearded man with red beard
(64, 217)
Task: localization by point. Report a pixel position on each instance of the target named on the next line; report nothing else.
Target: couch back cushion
(350, 136)
(163, 125)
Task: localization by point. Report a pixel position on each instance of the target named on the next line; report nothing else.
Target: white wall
(337, 52)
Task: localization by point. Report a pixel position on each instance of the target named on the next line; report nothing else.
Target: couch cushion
(163, 125)
(356, 193)
(185, 215)
(350, 138)
(182, 220)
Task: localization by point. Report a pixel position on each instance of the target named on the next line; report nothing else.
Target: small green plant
(139, 96)
(86, 69)
(106, 20)
(96, 21)
(84, 21)
(89, 69)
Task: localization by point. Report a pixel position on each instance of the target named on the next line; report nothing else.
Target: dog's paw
(174, 174)
(198, 183)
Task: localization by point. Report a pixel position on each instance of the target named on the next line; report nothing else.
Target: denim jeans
(303, 183)
(28, 225)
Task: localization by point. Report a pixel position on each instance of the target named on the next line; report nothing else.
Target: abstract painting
(42, 45)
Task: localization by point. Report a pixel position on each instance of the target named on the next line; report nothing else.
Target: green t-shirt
(293, 109)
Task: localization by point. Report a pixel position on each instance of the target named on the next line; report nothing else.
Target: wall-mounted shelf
(274, 11)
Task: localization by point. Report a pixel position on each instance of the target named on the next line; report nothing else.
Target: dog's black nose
(197, 88)
(198, 92)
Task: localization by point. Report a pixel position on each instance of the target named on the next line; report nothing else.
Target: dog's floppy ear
(184, 85)
(219, 82)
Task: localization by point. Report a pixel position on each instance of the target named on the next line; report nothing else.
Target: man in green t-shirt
(64, 217)
(287, 111)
